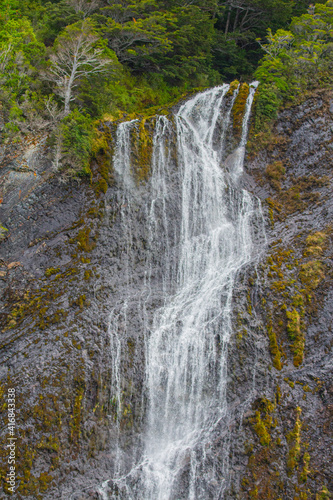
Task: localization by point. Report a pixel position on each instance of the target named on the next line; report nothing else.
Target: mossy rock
(312, 274)
(238, 109)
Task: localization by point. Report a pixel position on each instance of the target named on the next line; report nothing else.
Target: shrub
(76, 138)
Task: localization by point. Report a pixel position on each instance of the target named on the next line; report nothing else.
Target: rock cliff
(72, 254)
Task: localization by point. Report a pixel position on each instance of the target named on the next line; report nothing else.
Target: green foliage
(76, 134)
(54, 17)
(315, 244)
(267, 104)
(232, 56)
(238, 25)
(158, 50)
(296, 60)
(176, 43)
(20, 52)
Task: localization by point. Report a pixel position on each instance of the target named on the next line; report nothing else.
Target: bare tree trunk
(228, 22)
(68, 94)
(236, 18)
(243, 20)
(67, 100)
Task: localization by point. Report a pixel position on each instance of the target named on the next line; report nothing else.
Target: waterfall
(187, 341)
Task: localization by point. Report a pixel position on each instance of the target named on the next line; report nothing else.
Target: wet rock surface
(283, 449)
(70, 257)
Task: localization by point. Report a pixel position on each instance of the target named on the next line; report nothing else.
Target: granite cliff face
(79, 254)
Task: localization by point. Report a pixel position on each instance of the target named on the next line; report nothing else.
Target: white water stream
(187, 345)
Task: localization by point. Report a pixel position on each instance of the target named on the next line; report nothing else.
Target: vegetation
(263, 421)
(294, 442)
(295, 60)
(66, 63)
(274, 348)
(296, 336)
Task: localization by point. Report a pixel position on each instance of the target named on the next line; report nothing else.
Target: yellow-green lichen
(51, 270)
(274, 347)
(83, 240)
(263, 421)
(296, 336)
(306, 471)
(294, 443)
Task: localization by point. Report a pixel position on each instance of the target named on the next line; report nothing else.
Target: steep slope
(76, 259)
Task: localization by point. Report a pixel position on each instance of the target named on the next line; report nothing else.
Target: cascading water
(186, 345)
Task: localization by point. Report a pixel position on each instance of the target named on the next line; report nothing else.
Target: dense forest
(66, 64)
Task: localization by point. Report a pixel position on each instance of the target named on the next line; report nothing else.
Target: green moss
(51, 270)
(87, 274)
(289, 382)
(306, 471)
(312, 274)
(315, 244)
(83, 240)
(44, 481)
(33, 307)
(295, 334)
(254, 493)
(101, 187)
(238, 109)
(272, 206)
(261, 430)
(300, 195)
(249, 303)
(275, 173)
(80, 301)
(324, 494)
(76, 416)
(233, 86)
(142, 148)
(263, 421)
(294, 443)
(49, 443)
(131, 350)
(274, 348)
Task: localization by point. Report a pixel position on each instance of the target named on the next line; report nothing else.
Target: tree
(79, 52)
(19, 52)
(148, 37)
(84, 7)
(296, 60)
(254, 15)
